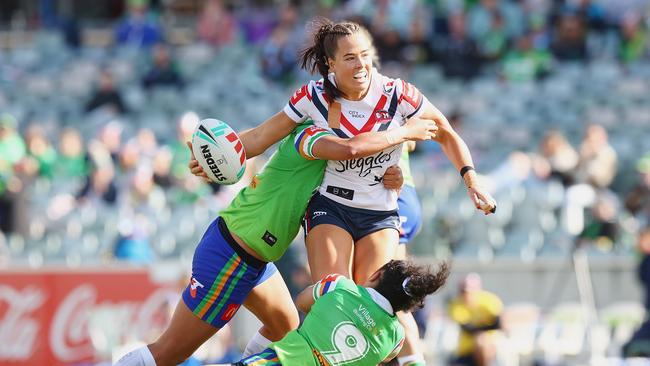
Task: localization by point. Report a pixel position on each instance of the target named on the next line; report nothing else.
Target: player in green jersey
(349, 324)
(231, 263)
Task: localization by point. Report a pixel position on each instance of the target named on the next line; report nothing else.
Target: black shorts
(356, 221)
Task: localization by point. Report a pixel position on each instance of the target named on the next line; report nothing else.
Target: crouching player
(352, 324)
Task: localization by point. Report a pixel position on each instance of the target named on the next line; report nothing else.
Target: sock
(411, 360)
(256, 345)
(139, 357)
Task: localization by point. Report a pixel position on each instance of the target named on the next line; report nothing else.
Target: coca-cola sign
(48, 317)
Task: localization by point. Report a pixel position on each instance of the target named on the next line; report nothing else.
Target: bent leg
(185, 333)
(271, 303)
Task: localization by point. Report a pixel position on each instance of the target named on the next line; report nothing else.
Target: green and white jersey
(405, 165)
(347, 325)
(267, 214)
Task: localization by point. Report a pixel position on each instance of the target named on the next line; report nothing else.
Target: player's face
(352, 65)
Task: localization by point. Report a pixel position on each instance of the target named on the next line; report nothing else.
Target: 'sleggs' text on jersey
(387, 105)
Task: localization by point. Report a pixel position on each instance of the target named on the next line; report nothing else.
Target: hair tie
(404, 284)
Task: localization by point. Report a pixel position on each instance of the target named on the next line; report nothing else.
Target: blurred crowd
(93, 164)
(140, 171)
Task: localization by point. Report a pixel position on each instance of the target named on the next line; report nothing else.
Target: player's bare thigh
(329, 250)
(373, 251)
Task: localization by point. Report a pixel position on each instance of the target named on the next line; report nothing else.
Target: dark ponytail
(325, 39)
(406, 284)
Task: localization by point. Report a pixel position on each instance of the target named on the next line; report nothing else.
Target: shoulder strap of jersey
(334, 115)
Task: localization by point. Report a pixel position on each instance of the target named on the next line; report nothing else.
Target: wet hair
(324, 45)
(406, 284)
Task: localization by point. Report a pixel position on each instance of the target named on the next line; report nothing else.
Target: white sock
(257, 344)
(139, 357)
(416, 358)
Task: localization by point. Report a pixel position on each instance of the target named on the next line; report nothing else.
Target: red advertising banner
(45, 315)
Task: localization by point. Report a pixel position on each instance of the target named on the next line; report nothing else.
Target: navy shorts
(356, 221)
(410, 214)
(223, 275)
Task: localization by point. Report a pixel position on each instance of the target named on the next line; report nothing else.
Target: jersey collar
(380, 300)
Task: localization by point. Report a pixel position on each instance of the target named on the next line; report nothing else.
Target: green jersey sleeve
(330, 283)
(305, 140)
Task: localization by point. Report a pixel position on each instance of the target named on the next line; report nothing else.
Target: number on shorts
(349, 345)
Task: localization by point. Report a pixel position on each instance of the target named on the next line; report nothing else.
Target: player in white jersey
(352, 222)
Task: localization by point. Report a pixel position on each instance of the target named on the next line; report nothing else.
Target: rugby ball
(219, 151)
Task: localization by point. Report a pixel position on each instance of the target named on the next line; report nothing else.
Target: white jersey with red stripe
(387, 105)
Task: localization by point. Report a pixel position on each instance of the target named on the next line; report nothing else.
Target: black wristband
(464, 170)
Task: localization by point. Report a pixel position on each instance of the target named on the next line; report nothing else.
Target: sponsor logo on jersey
(212, 163)
(318, 213)
(365, 165)
(377, 181)
(355, 114)
(230, 312)
(364, 316)
(346, 193)
(382, 117)
(269, 238)
(388, 87)
(194, 285)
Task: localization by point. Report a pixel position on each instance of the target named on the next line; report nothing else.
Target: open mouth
(361, 75)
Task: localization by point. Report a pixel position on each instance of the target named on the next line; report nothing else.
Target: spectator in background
(592, 14)
(478, 313)
(597, 166)
(111, 137)
(216, 25)
(100, 188)
(12, 146)
(457, 53)
(12, 152)
(163, 71)
(106, 96)
(147, 144)
(481, 18)
(278, 56)
(570, 39)
(597, 163)
(638, 200)
(129, 160)
(639, 344)
(139, 28)
(144, 197)
(258, 22)
(561, 156)
(390, 47)
(602, 227)
(180, 153)
(72, 161)
(634, 39)
(40, 151)
(493, 43)
(526, 63)
(162, 166)
(132, 244)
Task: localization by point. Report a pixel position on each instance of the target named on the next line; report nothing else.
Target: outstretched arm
(365, 144)
(256, 140)
(458, 153)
